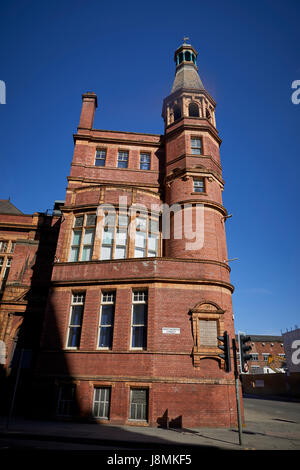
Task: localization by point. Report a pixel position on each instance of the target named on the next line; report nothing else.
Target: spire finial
(186, 38)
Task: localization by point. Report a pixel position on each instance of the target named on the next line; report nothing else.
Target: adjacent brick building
(27, 249)
(268, 354)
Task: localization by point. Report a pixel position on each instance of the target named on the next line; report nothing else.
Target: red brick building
(268, 354)
(27, 249)
(134, 312)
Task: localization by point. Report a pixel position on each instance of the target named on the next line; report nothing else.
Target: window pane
(100, 158)
(74, 254)
(101, 402)
(199, 185)
(140, 239)
(121, 238)
(139, 253)
(152, 243)
(138, 337)
(139, 314)
(91, 219)
(105, 340)
(106, 252)
(138, 404)
(110, 218)
(76, 316)
(79, 221)
(122, 159)
(145, 161)
(107, 314)
(99, 162)
(123, 220)
(88, 238)
(86, 253)
(76, 237)
(122, 164)
(141, 223)
(153, 225)
(120, 252)
(108, 234)
(74, 337)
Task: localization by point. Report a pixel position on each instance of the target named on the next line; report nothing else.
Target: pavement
(269, 425)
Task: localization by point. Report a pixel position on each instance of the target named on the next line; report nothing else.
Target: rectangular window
(266, 357)
(66, 400)
(114, 236)
(123, 159)
(146, 237)
(198, 185)
(75, 324)
(139, 320)
(145, 161)
(106, 320)
(254, 357)
(3, 246)
(101, 403)
(12, 247)
(196, 146)
(100, 157)
(138, 404)
(208, 332)
(7, 268)
(1, 266)
(83, 238)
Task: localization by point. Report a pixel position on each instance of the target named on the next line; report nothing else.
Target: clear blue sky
(248, 57)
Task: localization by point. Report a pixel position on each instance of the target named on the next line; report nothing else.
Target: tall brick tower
(137, 305)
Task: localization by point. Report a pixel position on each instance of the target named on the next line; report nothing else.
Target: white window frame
(105, 402)
(146, 155)
(99, 157)
(107, 298)
(139, 297)
(198, 185)
(121, 158)
(78, 298)
(82, 229)
(146, 405)
(196, 149)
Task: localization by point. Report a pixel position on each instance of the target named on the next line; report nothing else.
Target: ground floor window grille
(101, 402)
(138, 404)
(66, 400)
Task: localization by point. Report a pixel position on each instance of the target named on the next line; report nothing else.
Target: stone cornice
(142, 279)
(118, 140)
(182, 124)
(92, 181)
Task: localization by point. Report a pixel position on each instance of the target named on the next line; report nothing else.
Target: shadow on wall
(26, 343)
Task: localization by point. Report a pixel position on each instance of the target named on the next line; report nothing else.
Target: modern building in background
(291, 340)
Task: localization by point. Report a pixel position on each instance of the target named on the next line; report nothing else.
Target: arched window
(180, 57)
(177, 113)
(187, 55)
(193, 110)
